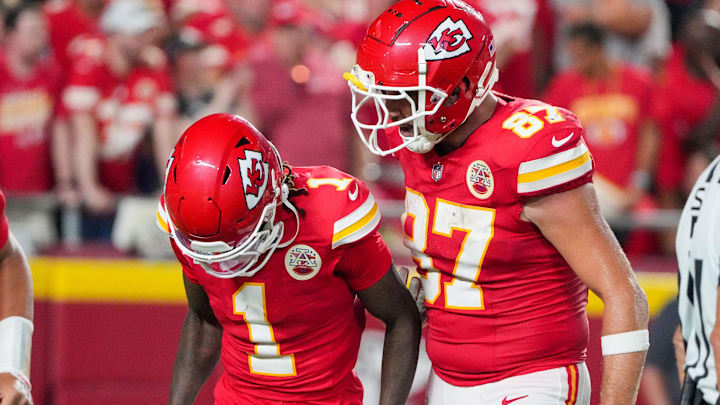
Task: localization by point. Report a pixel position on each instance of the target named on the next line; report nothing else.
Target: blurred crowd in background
(94, 93)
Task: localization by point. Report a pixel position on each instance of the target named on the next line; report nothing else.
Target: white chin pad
(421, 145)
(425, 141)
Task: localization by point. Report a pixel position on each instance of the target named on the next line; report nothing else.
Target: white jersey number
(477, 223)
(249, 302)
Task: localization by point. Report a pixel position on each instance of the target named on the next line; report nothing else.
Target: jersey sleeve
(359, 216)
(4, 230)
(162, 219)
(365, 257)
(365, 262)
(558, 161)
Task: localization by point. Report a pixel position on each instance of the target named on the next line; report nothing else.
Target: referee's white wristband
(15, 344)
(626, 342)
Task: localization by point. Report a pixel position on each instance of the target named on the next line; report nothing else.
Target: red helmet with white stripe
(223, 185)
(440, 49)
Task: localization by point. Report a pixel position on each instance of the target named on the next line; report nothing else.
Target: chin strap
(292, 208)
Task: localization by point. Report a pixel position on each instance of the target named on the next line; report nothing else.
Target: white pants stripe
(559, 386)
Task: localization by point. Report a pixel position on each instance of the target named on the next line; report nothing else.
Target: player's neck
(457, 138)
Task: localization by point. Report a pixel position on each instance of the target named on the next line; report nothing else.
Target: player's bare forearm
(389, 301)
(16, 295)
(198, 350)
(622, 372)
(571, 221)
(621, 378)
(197, 355)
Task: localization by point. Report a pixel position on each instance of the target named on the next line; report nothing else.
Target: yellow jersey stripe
(360, 233)
(552, 160)
(555, 170)
(572, 389)
(161, 223)
(558, 179)
(357, 225)
(354, 216)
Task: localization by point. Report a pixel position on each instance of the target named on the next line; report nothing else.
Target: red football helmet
(223, 184)
(429, 47)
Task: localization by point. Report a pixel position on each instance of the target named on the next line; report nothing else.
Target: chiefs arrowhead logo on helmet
(254, 172)
(450, 39)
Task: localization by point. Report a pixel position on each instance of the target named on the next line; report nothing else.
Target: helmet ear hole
(453, 97)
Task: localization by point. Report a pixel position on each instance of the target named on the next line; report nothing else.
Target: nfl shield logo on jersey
(302, 262)
(480, 180)
(437, 171)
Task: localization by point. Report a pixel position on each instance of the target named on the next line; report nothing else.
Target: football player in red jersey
(16, 312)
(273, 257)
(500, 217)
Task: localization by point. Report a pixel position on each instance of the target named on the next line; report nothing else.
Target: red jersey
(291, 331)
(124, 107)
(66, 21)
(227, 38)
(612, 112)
(501, 300)
(27, 106)
(682, 102)
(4, 230)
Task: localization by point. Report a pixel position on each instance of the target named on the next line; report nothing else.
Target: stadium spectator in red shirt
(523, 31)
(687, 106)
(35, 156)
(68, 19)
(117, 91)
(611, 98)
(204, 87)
(28, 95)
(296, 85)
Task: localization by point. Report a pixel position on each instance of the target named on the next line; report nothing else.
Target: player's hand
(13, 391)
(414, 285)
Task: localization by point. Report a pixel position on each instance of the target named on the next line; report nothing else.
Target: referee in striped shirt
(698, 253)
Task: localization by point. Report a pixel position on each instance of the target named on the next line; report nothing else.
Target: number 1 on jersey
(478, 224)
(249, 302)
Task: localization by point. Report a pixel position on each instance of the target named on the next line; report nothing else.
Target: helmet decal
(254, 172)
(448, 40)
